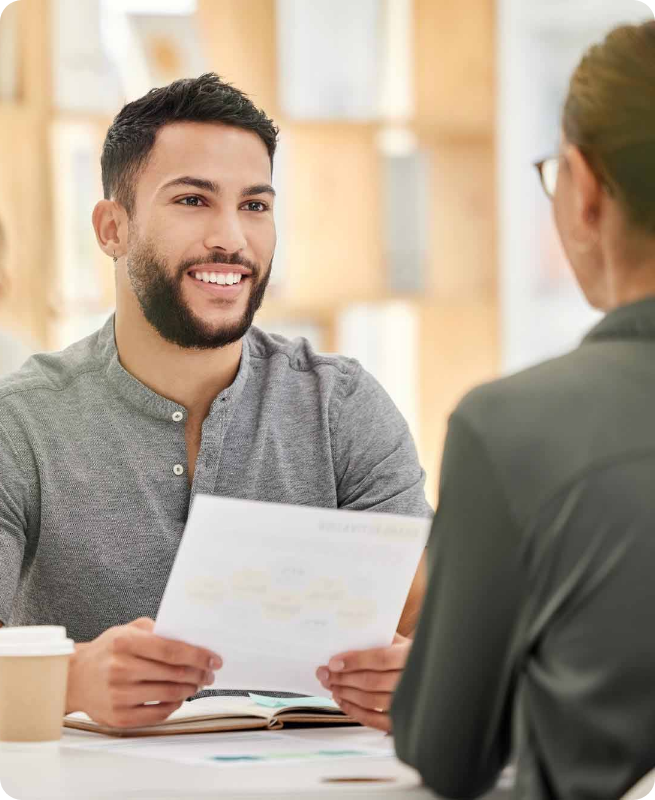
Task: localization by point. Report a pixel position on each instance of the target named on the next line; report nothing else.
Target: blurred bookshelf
(340, 272)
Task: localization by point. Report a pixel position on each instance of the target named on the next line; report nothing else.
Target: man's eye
(256, 205)
(193, 199)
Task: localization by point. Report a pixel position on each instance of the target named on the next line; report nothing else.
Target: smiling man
(104, 445)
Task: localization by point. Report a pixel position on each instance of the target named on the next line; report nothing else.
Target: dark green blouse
(537, 638)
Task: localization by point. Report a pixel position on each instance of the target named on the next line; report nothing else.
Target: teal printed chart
(298, 756)
(287, 702)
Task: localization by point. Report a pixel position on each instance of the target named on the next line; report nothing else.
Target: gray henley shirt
(94, 492)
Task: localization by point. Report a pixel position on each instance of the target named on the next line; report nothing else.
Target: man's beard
(160, 297)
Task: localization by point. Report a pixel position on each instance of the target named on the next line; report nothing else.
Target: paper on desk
(249, 748)
(278, 590)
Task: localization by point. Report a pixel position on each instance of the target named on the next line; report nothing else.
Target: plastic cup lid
(35, 640)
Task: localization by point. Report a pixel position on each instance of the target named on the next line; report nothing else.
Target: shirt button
(178, 469)
(178, 416)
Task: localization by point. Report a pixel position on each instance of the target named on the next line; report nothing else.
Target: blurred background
(413, 233)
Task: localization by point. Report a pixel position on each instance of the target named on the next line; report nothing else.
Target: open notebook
(212, 714)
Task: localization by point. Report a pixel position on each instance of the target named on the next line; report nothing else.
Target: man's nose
(226, 234)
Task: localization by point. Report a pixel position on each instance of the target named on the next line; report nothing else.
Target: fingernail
(323, 674)
(216, 662)
(336, 665)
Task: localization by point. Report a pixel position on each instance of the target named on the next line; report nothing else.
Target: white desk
(100, 774)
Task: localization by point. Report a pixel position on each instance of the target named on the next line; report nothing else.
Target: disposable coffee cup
(33, 678)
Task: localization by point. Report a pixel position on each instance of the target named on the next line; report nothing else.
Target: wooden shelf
(334, 254)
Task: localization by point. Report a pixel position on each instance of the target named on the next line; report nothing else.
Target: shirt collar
(633, 321)
(143, 398)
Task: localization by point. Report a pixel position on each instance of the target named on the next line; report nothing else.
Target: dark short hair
(131, 136)
(610, 115)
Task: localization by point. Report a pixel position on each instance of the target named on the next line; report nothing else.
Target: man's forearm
(409, 620)
(72, 701)
(414, 602)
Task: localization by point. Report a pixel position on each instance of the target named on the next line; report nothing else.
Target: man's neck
(192, 378)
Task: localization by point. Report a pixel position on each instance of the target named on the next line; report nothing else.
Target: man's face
(203, 210)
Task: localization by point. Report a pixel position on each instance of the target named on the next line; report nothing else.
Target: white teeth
(221, 278)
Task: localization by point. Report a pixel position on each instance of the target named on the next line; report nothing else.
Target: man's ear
(110, 226)
(587, 193)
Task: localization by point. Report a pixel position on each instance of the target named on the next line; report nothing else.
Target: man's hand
(112, 677)
(362, 682)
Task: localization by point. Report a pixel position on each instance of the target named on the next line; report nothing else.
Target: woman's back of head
(610, 116)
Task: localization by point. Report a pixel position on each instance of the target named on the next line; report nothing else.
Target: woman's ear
(587, 193)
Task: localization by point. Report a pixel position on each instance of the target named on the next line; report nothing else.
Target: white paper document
(277, 590)
(246, 749)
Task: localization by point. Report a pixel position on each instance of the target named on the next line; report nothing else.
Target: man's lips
(223, 269)
(219, 289)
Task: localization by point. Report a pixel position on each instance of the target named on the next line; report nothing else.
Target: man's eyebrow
(210, 186)
(197, 183)
(258, 188)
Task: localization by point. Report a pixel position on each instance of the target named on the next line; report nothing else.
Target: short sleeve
(375, 459)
